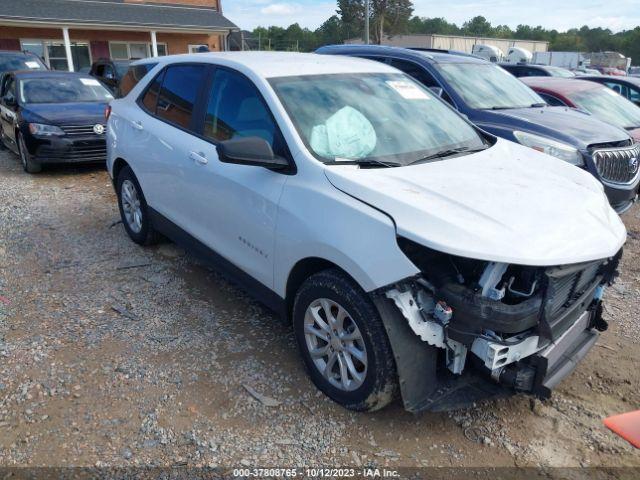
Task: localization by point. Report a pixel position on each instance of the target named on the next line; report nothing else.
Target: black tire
(28, 164)
(380, 384)
(147, 235)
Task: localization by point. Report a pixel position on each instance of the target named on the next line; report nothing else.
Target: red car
(598, 100)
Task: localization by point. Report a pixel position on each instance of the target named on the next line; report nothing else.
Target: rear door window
(132, 78)
(150, 98)
(180, 89)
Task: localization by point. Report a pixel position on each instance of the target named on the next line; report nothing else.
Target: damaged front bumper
(445, 362)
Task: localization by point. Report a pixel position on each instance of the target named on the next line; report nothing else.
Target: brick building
(71, 34)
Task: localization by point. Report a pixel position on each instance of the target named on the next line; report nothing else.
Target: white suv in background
(410, 249)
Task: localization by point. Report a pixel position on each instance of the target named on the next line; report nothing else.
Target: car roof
(281, 64)
(17, 53)
(560, 85)
(48, 74)
(144, 61)
(431, 55)
(613, 78)
(523, 64)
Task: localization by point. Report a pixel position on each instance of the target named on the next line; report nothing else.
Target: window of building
(139, 50)
(34, 46)
(134, 50)
(119, 51)
(54, 54)
(198, 48)
(178, 94)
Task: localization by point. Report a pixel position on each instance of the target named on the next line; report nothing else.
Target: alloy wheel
(335, 344)
(131, 206)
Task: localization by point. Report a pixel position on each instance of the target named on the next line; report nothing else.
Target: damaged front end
(491, 328)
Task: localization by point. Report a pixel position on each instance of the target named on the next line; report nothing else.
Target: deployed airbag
(346, 134)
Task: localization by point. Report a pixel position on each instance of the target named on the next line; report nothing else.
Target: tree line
(395, 17)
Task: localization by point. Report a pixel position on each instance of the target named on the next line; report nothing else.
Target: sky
(558, 14)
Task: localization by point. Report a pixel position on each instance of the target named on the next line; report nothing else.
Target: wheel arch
(302, 270)
(118, 165)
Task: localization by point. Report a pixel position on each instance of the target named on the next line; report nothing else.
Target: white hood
(506, 204)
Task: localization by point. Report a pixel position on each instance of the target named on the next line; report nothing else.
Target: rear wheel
(343, 342)
(133, 209)
(28, 164)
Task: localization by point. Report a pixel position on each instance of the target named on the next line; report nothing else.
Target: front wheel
(343, 342)
(28, 164)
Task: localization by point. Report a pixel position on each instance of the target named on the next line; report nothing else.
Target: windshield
(560, 72)
(373, 117)
(608, 106)
(485, 86)
(63, 90)
(20, 62)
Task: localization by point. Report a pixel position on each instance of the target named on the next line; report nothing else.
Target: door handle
(137, 125)
(198, 157)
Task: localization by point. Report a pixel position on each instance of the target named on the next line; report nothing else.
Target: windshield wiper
(367, 162)
(448, 153)
(512, 107)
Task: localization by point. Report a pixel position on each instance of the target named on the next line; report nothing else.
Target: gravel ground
(117, 355)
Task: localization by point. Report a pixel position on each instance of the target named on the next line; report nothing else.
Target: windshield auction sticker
(408, 90)
(90, 82)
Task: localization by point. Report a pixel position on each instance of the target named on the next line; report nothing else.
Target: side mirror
(253, 151)
(437, 90)
(10, 101)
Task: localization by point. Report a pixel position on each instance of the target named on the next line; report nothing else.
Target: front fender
(317, 220)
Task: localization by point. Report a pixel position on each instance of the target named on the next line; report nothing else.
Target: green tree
(386, 17)
(351, 13)
(477, 26)
(390, 17)
(331, 31)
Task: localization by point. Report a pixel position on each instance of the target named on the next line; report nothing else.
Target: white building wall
(454, 42)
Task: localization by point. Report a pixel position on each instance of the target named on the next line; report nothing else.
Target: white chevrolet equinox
(412, 252)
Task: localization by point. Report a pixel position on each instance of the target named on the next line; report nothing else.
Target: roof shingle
(113, 12)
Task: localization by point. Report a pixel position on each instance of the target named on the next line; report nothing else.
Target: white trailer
(569, 60)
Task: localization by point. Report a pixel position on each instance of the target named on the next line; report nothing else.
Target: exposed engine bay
(497, 316)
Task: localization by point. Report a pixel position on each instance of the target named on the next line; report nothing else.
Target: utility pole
(366, 22)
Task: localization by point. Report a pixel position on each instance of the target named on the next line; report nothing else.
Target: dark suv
(12, 60)
(110, 72)
(500, 104)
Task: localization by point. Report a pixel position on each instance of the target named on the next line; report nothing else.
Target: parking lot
(113, 354)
